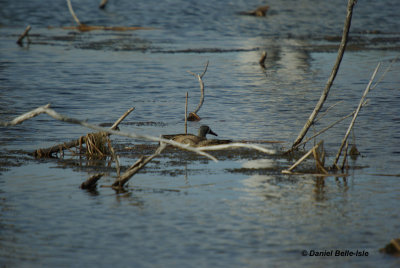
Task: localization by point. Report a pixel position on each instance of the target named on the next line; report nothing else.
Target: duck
(259, 12)
(199, 140)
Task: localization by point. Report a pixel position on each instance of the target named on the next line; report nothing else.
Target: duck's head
(204, 130)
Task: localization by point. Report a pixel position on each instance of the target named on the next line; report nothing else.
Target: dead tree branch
(45, 109)
(103, 4)
(48, 152)
(23, 35)
(289, 170)
(90, 183)
(335, 69)
(355, 117)
(124, 178)
(71, 10)
(193, 115)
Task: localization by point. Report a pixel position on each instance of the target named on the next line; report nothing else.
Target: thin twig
(327, 110)
(115, 125)
(355, 116)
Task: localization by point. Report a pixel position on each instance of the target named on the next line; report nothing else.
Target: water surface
(182, 210)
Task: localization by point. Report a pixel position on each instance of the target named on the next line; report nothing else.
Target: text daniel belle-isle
(338, 253)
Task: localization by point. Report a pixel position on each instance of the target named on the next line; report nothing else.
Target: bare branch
(22, 36)
(71, 10)
(120, 182)
(335, 69)
(237, 145)
(355, 116)
(200, 78)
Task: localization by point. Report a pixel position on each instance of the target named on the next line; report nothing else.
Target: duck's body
(259, 12)
(196, 141)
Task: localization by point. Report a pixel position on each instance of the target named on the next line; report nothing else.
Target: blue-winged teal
(199, 140)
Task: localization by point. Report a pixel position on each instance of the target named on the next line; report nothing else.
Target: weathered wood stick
(71, 10)
(319, 132)
(91, 182)
(103, 4)
(23, 35)
(115, 125)
(288, 171)
(355, 116)
(200, 78)
(48, 152)
(237, 145)
(120, 182)
(335, 69)
(19, 119)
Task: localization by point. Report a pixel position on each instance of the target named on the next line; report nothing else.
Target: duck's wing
(213, 142)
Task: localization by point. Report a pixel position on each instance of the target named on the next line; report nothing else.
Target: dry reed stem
(335, 69)
(355, 116)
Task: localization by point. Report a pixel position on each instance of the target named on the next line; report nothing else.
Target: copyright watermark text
(335, 253)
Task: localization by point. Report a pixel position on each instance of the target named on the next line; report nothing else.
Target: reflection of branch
(355, 116)
(237, 145)
(200, 78)
(73, 13)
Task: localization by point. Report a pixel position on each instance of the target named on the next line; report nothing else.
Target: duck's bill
(212, 133)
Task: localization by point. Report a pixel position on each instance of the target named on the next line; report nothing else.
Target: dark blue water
(197, 213)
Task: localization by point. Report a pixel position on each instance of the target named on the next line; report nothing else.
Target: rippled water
(196, 212)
